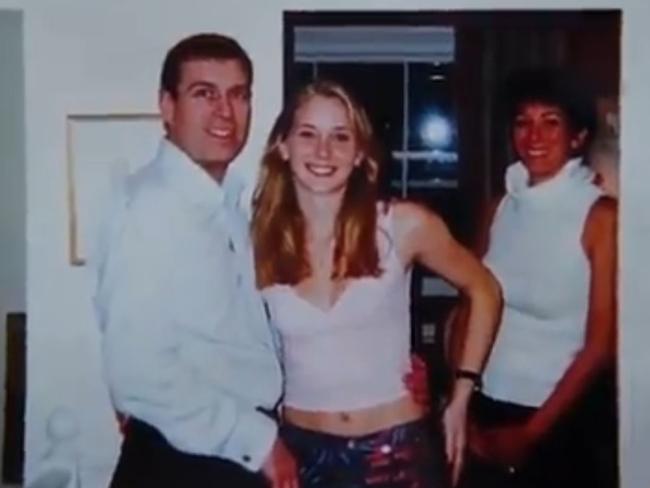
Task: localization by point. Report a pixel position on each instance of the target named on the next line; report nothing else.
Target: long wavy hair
(279, 226)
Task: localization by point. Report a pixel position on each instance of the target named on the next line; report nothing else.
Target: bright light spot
(435, 131)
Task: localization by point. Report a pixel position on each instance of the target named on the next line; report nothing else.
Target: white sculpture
(59, 467)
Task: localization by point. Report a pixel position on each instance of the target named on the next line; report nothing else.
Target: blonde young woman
(334, 265)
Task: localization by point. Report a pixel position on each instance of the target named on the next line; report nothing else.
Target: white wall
(104, 57)
(12, 182)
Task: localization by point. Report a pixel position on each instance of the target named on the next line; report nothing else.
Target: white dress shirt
(186, 344)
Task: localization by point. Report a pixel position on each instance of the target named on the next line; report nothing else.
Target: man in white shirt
(189, 356)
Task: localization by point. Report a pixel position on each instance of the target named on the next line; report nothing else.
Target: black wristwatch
(473, 376)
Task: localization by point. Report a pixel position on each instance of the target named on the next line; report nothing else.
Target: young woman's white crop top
(355, 354)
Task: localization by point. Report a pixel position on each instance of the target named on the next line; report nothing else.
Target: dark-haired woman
(551, 243)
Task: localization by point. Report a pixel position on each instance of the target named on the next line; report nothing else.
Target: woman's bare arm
(456, 323)
(599, 350)
(424, 238)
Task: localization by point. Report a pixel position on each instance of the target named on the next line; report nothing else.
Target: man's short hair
(205, 46)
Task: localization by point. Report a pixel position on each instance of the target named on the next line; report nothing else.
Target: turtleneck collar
(572, 173)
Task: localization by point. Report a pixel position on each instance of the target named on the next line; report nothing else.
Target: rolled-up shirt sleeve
(144, 358)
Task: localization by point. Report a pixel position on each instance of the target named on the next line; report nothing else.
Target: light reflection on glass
(435, 131)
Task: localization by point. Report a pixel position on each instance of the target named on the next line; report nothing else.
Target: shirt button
(239, 280)
(246, 458)
(351, 444)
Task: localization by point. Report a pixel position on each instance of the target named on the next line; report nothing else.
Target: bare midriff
(357, 422)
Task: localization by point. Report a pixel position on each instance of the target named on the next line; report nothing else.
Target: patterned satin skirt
(405, 456)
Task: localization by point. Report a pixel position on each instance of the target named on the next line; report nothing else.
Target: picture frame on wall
(103, 149)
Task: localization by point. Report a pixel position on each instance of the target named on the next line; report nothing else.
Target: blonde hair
(278, 225)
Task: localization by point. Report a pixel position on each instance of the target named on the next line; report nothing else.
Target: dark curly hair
(553, 86)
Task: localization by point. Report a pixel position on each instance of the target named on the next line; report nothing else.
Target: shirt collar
(517, 177)
(194, 183)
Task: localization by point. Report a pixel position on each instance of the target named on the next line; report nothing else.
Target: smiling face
(322, 146)
(544, 139)
(208, 117)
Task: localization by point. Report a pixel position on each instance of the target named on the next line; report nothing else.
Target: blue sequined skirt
(410, 455)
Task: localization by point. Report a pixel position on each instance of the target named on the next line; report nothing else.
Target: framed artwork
(102, 150)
